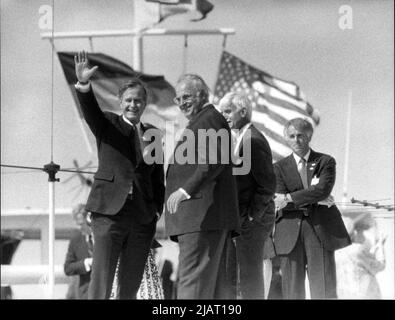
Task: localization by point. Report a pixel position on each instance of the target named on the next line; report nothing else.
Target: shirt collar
(129, 123)
(238, 137)
(306, 156)
(238, 134)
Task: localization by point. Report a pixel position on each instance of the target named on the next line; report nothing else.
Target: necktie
(136, 144)
(90, 245)
(303, 172)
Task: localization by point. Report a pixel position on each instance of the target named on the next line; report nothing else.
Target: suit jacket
(212, 187)
(120, 167)
(327, 222)
(77, 252)
(256, 189)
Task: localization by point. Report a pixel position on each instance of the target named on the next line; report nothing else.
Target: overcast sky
(299, 41)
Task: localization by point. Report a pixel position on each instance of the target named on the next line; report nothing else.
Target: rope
(185, 55)
(224, 42)
(52, 74)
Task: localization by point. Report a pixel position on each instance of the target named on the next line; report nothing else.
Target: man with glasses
(201, 205)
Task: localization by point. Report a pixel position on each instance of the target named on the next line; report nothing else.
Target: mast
(347, 150)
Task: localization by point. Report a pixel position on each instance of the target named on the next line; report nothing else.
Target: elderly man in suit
(127, 194)
(201, 205)
(256, 191)
(309, 227)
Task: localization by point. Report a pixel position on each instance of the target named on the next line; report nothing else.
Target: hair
(197, 81)
(301, 125)
(239, 101)
(132, 83)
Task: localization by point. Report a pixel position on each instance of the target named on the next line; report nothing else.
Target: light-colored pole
(138, 62)
(51, 240)
(347, 151)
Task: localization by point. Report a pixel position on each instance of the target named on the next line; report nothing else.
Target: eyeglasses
(184, 98)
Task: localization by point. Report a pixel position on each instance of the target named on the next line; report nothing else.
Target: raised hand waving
(82, 70)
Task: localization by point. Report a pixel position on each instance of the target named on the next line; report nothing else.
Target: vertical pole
(138, 52)
(51, 169)
(51, 240)
(347, 151)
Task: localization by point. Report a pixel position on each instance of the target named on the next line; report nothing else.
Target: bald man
(201, 197)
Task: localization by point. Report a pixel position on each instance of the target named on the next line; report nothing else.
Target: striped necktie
(303, 172)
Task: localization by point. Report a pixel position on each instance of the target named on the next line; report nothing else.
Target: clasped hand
(279, 201)
(329, 202)
(174, 200)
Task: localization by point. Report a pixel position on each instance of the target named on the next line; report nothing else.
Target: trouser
(121, 236)
(309, 254)
(249, 251)
(202, 265)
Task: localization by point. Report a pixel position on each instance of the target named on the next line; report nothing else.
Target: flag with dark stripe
(274, 101)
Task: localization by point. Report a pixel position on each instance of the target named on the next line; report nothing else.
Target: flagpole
(347, 151)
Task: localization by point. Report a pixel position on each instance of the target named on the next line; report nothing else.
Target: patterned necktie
(303, 172)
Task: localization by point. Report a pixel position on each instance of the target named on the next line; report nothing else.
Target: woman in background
(358, 264)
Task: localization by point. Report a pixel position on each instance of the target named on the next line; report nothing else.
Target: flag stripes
(274, 101)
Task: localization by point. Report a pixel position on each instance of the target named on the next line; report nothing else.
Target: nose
(133, 103)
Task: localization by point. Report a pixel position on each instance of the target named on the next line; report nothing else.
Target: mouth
(185, 108)
(132, 112)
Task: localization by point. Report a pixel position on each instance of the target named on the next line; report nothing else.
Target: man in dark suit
(78, 261)
(309, 227)
(127, 194)
(201, 206)
(256, 191)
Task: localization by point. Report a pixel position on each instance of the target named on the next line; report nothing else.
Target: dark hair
(132, 83)
(300, 124)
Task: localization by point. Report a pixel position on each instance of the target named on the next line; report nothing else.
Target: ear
(243, 112)
(202, 95)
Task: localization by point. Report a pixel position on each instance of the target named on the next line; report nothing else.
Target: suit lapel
(254, 134)
(312, 164)
(291, 170)
(125, 127)
(142, 144)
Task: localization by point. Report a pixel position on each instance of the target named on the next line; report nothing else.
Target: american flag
(274, 101)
